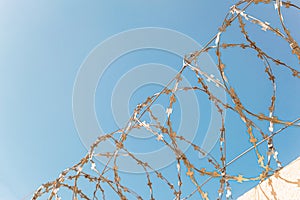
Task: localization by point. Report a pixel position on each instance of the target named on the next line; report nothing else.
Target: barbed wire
(106, 178)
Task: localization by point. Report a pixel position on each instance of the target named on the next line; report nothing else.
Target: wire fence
(106, 179)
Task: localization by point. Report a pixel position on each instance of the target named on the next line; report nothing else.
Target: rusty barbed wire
(104, 178)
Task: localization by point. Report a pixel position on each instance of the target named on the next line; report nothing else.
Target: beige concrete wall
(284, 185)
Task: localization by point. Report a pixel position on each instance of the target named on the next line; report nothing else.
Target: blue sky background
(43, 44)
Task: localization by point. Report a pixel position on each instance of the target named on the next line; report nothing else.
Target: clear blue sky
(43, 44)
